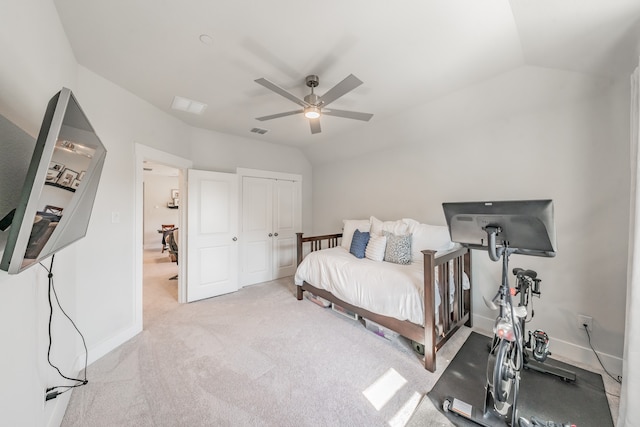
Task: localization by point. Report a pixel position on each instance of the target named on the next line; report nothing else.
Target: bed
(387, 293)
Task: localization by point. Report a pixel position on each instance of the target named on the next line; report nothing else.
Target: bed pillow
(425, 236)
(396, 227)
(351, 225)
(398, 248)
(376, 247)
(359, 243)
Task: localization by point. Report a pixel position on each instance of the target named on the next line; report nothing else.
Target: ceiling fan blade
(348, 114)
(277, 89)
(315, 125)
(275, 116)
(347, 85)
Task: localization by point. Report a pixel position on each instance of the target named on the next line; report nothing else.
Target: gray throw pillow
(398, 248)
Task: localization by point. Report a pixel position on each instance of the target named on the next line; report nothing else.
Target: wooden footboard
(435, 332)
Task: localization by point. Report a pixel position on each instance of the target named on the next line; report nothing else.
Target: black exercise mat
(582, 402)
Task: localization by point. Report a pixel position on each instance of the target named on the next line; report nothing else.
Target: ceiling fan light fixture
(312, 112)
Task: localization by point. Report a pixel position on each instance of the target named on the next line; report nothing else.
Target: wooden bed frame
(426, 335)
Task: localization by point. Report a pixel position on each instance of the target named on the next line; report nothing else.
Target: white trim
(60, 407)
(106, 346)
(62, 402)
(256, 173)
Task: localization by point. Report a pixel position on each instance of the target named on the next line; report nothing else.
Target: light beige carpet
(257, 357)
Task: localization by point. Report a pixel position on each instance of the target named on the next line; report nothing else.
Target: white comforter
(381, 287)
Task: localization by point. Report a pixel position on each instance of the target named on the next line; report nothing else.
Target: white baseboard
(59, 404)
(564, 351)
(107, 345)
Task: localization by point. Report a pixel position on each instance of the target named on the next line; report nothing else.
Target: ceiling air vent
(259, 131)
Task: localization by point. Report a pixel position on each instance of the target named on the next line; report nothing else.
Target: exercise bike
(506, 357)
(536, 347)
(503, 229)
(509, 351)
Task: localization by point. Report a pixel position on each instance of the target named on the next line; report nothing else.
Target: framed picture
(75, 184)
(174, 193)
(58, 167)
(67, 177)
(52, 175)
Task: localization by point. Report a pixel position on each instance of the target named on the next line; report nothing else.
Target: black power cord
(53, 392)
(617, 379)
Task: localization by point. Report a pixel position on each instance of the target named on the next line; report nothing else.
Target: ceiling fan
(314, 106)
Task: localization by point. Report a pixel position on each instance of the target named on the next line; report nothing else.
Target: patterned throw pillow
(398, 248)
(376, 247)
(359, 243)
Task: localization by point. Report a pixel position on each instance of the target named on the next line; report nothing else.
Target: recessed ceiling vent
(259, 131)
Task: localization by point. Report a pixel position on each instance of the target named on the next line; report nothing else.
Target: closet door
(271, 216)
(286, 203)
(257, 229)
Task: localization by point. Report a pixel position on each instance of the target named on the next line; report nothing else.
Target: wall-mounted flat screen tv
(60, 187)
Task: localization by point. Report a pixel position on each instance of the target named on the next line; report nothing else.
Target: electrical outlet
(585, 320)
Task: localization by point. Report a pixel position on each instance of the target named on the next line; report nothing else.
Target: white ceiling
(406, 52)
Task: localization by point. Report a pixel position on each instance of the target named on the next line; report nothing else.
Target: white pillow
(349, 227)
(399, 228)
(375, 247)
(425, 236)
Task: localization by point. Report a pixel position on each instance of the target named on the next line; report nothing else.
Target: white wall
(225, 153)
(157, 193)
(95, 276)
(36, 62)
(529, 133)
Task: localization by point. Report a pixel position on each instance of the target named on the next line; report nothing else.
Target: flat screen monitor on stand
(526, 225)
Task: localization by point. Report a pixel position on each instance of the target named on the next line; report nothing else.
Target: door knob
(235, 239)
(270, 234)
(276, 234)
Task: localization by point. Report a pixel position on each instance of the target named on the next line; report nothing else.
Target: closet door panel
(286, 224)
(257, 219)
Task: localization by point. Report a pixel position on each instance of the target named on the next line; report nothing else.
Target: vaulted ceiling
(406, 52)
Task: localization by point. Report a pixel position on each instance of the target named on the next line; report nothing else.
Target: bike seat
(519, 272)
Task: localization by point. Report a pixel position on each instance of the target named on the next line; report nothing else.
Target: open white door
(212, 230)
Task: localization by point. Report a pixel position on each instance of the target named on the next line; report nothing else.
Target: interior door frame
(142, 153)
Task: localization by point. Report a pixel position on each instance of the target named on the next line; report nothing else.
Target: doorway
(160, 223)
(147, 157)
